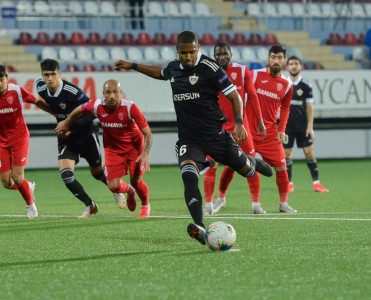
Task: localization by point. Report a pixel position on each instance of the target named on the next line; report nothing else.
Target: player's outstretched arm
(40, 103)
(143, 157)
(151, 71)
(64, 125)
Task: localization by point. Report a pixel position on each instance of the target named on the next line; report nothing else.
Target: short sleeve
(27, 96)
(138, 116)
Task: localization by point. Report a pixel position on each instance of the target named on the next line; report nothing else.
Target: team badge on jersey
(300, 92)
(121, 116)
(10, 100)
(62, 105)
(279, 86)
(193, 79)
(234, 75)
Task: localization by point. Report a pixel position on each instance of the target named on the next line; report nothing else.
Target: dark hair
(187, 37)
(277, 49)
(222, 44)
(294, 57)
(49, 65)
(3, 71)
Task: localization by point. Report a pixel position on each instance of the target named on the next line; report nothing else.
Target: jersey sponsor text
(186, 96)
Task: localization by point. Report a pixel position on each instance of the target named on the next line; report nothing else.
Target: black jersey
(64, 101)
(302, 94)
(195, 97)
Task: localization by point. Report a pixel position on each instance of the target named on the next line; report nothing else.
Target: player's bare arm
(151, 71)
(261, 129)
(40, 103)
(143, 157)
(239, 130)
(63, 126)
(310, 117)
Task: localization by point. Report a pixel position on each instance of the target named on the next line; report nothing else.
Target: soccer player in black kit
(62, 97)
(300, 124)
(196, 81)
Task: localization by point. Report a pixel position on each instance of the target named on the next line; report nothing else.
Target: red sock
(225, 181)
(25, 191)
(123, 188)
(143, 191)
(282, 180)
(14, 187)
(254, 184)
(209, 184)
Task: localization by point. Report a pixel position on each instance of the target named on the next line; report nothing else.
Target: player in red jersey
(274, 91)
(14, 140)
(127, 140)
(241, 78)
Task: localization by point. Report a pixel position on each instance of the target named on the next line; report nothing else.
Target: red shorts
(117, 164)
(14, 155)
(271, 150)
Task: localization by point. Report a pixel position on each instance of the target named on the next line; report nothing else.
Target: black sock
(101, 177)
(312, 165)
(192, 193)
(74, 186)
(289, 168)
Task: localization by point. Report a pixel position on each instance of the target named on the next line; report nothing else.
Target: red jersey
(274, 93)
(13, 128)
(241, 78)
(121, 128)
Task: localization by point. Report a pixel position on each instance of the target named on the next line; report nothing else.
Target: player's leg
(313, 167)
(225, 180)
(209, 187)
(288, 145)
(141, 188)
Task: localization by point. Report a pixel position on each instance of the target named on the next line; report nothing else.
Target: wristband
(134, 66)
(238, 121)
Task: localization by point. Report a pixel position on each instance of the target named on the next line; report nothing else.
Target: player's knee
(189, 174)
(6, 183)
(67, 175)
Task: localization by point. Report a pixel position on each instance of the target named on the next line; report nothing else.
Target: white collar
(58, 91)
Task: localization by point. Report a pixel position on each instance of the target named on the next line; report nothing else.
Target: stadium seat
(25, 38)
(171, 9)
(60, 38)
(111, 38)
(262, 54)
(270, 10)
(284, 10)
(43, 38)
(109, 9)
(317, 66)
(94, 38)
(208, 39)
(357, 10)
(58, 8)
(236, 55)
(253, 9)
(154, 9)
(144, 39)
(67, 54)
(186, 9)
(84, 54)
(224, 38)
(298, 10)
(41, 8)
(328, 10)
(151, 55)
(360, 54)
(24, 8)
(10, 69)
(7, 3)
(248, 54)
(239, 39)
(361, 38)
(350, 39)
(101, 54)
(89, 68)
(106, 68)
(77, 38)
(160, 39)
(134, 54)
(173, 38)
(49, 52)
(270, 39)
(117, 53)
(76, 8)
(168, 54)
(127, 39)
(91, 8)
(255, 39)
(335, 39)
(314, 10)
(72, 68)
(202, 10)
(367, 7)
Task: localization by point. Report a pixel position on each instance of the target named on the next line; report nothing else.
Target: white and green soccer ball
(220, 236)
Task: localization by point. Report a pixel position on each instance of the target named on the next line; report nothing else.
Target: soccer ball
(220, 236)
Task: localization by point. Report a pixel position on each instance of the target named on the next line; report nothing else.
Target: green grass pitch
(322, 252)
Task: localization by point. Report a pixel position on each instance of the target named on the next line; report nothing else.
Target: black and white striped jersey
(195, 97)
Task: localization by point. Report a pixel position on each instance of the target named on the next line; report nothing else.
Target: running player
(241, 78)
(300, 124)
(62, 98)
(274, 91)
(124, 127)
(196, 81)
